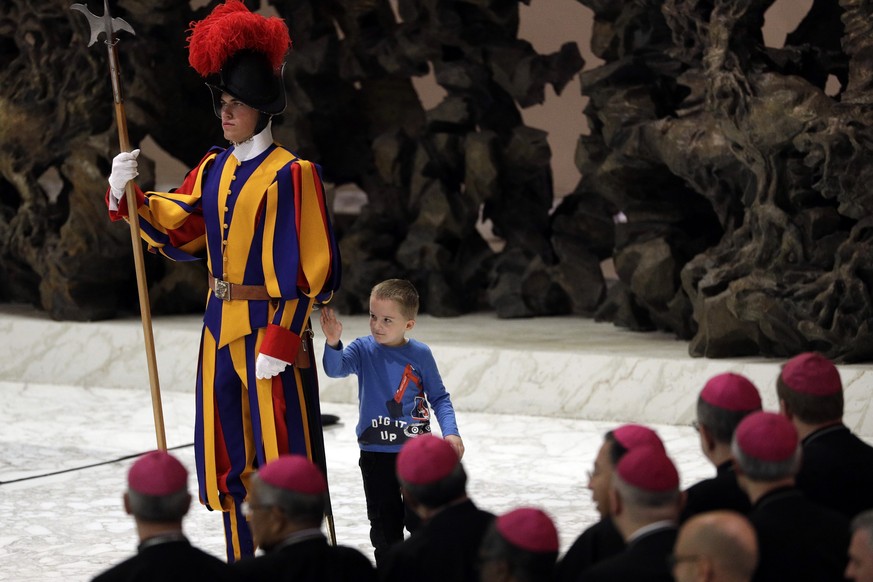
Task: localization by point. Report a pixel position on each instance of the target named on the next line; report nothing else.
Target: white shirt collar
(258, 144)
(652, 527)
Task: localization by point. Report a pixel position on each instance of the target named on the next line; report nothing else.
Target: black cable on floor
(118, 460)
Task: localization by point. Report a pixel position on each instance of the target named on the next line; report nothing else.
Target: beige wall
(547, 24)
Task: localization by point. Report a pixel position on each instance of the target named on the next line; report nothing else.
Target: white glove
(268, 366)
(124, 169)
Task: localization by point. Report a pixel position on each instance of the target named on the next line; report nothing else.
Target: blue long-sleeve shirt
(395, 386)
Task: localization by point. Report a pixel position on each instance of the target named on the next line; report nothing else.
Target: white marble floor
(65, 451)
(533, 399)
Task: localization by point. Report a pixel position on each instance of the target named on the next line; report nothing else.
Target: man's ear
(276, 521)
(127, 509)
(706, 436)
(784, 410)
(705, 570)
(410, 500)
(742, 480)
(615, 501)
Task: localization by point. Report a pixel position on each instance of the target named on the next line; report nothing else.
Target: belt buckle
(222, 290)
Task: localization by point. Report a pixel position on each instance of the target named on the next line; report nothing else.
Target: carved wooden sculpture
(729, 188)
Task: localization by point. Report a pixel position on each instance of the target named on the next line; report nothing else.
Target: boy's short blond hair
(401, 292)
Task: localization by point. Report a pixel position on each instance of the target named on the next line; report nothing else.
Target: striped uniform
(260, 222)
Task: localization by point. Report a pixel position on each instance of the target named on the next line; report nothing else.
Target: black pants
(385, 508)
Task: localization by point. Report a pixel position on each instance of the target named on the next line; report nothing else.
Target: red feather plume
(231, 27)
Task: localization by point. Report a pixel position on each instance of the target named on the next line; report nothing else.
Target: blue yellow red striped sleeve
(171, 223)
(301, 256)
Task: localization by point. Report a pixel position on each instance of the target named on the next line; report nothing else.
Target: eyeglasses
(674, 559)
(247, 509)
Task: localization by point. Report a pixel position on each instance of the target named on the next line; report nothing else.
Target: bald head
(860, 567)
(722, 542)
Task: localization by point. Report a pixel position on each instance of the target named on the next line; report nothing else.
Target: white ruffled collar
(255, 145)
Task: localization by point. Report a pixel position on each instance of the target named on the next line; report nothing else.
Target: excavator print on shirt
(400, 425)
(420, 413)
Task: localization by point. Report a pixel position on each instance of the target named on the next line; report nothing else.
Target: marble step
(555, 367)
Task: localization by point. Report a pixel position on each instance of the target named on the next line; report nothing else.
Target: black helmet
(249, 77)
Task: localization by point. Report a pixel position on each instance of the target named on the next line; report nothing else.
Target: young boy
(397, 379)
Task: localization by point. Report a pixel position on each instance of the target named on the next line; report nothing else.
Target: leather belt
(232, 291)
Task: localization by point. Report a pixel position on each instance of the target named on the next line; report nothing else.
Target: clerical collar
(725, 467)
(776, 494)
(650, 529)
(297, 537)
(169, 537)
(831, 428)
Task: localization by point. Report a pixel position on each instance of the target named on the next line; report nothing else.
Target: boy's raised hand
(331, 326)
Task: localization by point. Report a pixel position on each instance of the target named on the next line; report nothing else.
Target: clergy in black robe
(520, 545)
(285, 509)
(645, 500)
(724, 401)
(798, 540)
(837, 469)
(305, 556)
(645, 558)
(169, 557)
(446, 545)
(157, 497)
(597, 543)
(719, 492)
(603, 540)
